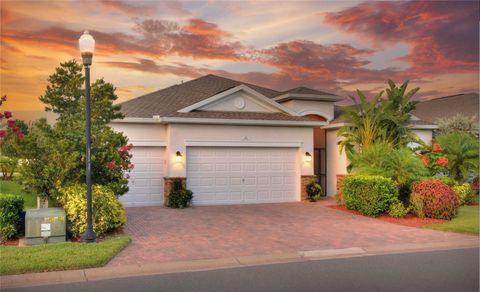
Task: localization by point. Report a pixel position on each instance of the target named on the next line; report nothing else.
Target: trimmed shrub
(314, 190)
(108, 212)
(11, 215)
(179, 196)
(464, 193)
(371, 195)
(398, 210)
(434, 199)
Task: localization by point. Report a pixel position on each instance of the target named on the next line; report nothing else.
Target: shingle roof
(166, 102)
(433, 109)
(306, 90)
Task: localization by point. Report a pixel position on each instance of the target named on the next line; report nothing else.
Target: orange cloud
(126, 8)
(201, 27)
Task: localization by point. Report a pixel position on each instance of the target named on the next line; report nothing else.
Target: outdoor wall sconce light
(307, 157)
(178, 156)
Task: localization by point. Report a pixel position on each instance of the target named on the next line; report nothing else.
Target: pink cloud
(443, 36)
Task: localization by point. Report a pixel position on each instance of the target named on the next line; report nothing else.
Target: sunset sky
(335, 46)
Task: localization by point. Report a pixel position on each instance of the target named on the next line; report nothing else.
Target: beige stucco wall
(305, 107)
(336, 162)
(142, 134)
(176, 137)
(425, 135)
(181, 135)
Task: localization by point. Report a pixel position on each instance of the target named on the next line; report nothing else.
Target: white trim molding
(148, 143)
(411, 126)
(138, 120)
(180, 120)
(269, 144)
(230, 91)
(244, 122)
(300, 96)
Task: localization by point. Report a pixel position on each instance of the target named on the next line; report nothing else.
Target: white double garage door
(219, 175)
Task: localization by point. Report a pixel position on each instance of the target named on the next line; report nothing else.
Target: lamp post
(87, 46)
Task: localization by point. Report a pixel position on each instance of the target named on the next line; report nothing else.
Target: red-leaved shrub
(434, 199)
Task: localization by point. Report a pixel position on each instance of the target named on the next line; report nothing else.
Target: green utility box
(45, 225)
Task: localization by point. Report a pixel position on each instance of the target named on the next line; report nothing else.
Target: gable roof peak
(306, 90)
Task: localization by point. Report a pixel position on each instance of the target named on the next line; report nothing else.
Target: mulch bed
(409, 220)
(13, 242)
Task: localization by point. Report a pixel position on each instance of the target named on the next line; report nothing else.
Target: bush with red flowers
(10, 124)
(435, 160)
(434, 199)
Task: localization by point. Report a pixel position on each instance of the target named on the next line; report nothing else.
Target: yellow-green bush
(464, 193)
(108, 212)
(398, 210)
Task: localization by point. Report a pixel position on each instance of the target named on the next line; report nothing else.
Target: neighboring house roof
(433, 109)
(428, 111)
(167, 102)
(306, 90)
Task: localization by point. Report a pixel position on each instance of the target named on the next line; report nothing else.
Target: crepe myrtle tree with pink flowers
(12, 132)
(10, 123)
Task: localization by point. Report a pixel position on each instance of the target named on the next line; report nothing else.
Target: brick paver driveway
(162, 234)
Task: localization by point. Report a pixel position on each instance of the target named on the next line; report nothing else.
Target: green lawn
(465, 222)
(59, 256)
(12, 187)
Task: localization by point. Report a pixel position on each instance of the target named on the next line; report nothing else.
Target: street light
(87, 46)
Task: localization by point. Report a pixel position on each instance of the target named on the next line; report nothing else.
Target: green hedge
(369, 194)
(108, 212)
(11, 215)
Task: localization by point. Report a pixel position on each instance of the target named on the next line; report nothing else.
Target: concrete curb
(103, 273)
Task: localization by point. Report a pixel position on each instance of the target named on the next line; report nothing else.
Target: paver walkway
(161, 234)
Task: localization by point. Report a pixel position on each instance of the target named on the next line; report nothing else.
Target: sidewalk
(110, 272)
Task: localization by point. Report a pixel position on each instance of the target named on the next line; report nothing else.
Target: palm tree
(462, 150)
(379, 119)
(362, 120)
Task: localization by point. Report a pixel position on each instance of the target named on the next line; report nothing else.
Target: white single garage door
(223, 175)
(146, 178)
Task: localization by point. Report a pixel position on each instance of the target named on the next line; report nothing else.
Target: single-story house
(234, 142)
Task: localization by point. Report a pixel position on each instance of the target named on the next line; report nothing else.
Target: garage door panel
(241, 175)
(146, 178)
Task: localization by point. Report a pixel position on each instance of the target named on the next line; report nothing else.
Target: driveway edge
(104, 273)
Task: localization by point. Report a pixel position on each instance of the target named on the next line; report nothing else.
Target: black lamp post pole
(89, 235)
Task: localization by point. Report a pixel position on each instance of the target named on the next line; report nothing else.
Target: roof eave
(212, 121)
(303, 96)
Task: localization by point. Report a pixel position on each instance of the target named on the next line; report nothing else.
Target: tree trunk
(42, 202)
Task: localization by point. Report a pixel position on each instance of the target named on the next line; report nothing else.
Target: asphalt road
(449, 270)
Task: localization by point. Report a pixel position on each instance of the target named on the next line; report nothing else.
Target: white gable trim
(245, 88)
(303, 96)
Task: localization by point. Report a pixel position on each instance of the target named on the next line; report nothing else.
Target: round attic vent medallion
(239, 103)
